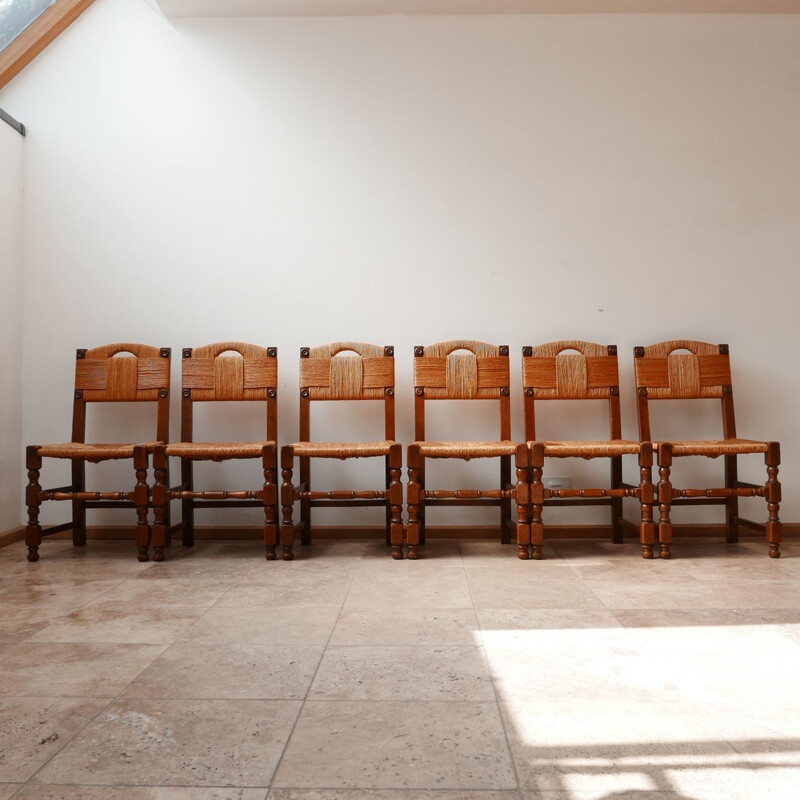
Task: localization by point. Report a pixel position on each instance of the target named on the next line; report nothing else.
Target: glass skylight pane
(16, 15)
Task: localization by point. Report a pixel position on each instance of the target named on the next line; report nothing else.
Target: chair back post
(614, 411)
(78, 404)
(187, 408)
(642, 408)
(388, 405)
(529, 395)
(419, 399)
(505, 399)
(728, 417)
(305, 400)
(272, 399)
(162, 409)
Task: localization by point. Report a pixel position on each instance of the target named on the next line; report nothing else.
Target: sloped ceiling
(329, 8)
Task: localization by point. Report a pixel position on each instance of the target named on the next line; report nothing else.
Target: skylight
(16, 15)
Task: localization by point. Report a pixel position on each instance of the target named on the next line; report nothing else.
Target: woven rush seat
(466, 450)
(216, 451)
(341, 449)
(589, 449)
(92, 452)
(713, 448)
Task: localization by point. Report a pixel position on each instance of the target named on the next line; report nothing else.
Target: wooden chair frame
(590, 373)
(663, 374)
(368, 374)
(440, 373)
(209, 375)
(102, 375)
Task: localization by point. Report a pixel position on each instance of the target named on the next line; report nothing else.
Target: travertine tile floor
(467, 675)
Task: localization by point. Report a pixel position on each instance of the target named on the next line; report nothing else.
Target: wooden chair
(443, 373)
(225, 371)
(574, 370)
(343, 371)
(665, 373)
(112, 373)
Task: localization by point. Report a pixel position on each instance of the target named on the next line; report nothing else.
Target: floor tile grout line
(499, 710)
(399, 791)
(84, 727)
(17, 791)
(103, 709)
(191, 786)
(311, 682)
(184, 631)
(83, 605)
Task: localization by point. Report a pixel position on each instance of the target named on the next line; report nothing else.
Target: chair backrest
(664, 374)
(211, 373)
(346, 371)
(122, 373)
(571, 370)
(441, 372)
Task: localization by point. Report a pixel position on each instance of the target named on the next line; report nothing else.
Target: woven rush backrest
(347, 371)
(551, 372)
(209, 373)
(663, 373)
(571, 370)
(123, 372)
(442, 373)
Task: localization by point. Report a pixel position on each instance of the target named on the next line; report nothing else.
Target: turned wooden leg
(305, 503)
(732, 501)
(269, 456)
(537, 500)
(287, 501)
(387, 509)
(647, 527)
(395, 499)
(414, 494)
(167, 509)
(616, 502)
(78, 506)
(523, 494)
(505, 502)
(161, 499)
(422, 497)
(664, 500)
(33, 500)
(773, 495)
(187, 503)
(141, 500)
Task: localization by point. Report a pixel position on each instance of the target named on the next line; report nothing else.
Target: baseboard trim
(791, 530)
(12, 535)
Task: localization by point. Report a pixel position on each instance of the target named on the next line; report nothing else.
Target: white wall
(11, 460)
(622, 179)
